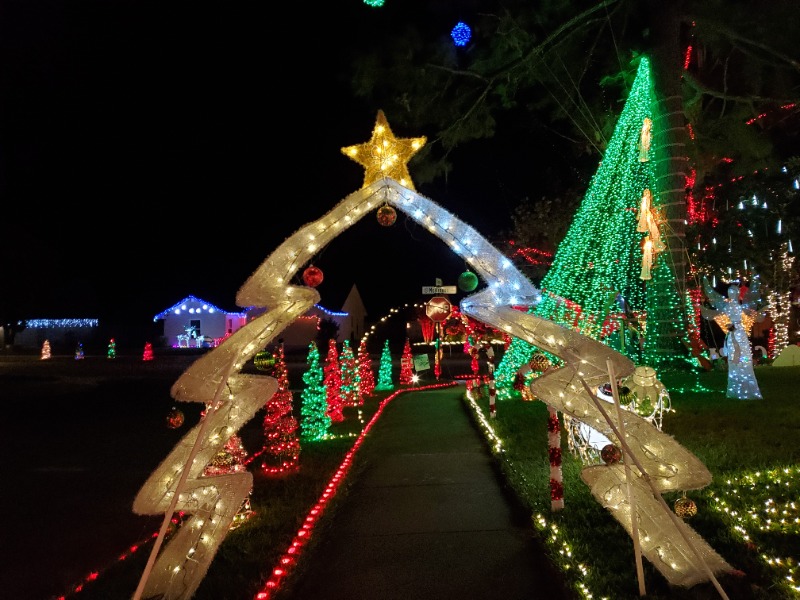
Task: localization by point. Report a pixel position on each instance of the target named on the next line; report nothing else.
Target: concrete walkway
(427, 517)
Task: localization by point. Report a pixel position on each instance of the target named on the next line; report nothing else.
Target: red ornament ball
(685, 507)
(312, 276)
(386, 215)
(174, 418)
(611, 454)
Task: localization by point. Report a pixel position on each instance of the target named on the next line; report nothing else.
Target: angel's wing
(716, 299)
(752, 296)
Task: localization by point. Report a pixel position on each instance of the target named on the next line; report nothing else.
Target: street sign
(438, 308)
(439, 289)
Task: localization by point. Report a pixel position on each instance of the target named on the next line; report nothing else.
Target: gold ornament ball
(611, 454)
(685, 507)
(386, 215)
(539, 362)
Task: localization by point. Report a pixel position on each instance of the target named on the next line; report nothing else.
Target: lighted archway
(232, 398)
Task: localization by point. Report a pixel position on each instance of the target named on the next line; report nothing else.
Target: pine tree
(281, 444)
(365, 373)
(46, 350)
(333, 383)
(406, 364)
(385, 369)
(613, 260)
(314, 419)
(351, 380)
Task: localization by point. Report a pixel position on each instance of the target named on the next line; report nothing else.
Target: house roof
(193, 305)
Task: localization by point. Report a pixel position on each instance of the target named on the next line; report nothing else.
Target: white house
(195, 323)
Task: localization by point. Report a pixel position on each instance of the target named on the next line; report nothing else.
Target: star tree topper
(384, 155)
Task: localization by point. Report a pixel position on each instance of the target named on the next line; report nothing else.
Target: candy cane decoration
(492, 388)
(554, 454)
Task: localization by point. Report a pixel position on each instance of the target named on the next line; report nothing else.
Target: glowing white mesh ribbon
(214, 379)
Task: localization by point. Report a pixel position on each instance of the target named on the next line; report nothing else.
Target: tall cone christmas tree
(314, 419)
(365, 374)
(406, 364)
(46, 353)
(333, 383)
(611, 277)
(385, 369)
(351, 380)
(281, 443)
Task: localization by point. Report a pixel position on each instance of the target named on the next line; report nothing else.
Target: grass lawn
(749, 514)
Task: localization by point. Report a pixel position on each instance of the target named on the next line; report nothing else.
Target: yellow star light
(384, 155)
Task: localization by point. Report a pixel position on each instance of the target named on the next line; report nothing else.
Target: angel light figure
(735, 314)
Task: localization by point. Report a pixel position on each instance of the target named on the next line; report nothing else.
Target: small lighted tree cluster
(281, 443)
(365, 374)
(333, 383)
(314, 419)
(147, 354)
(46, 352)
(112, 349)
(385, 369)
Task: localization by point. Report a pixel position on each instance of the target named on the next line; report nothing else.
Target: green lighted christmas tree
(365, 373)
(611, 276)
(112, 349)
(385, 369)
(314, 419)
(351, 380)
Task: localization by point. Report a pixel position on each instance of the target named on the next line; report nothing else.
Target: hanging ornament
(174, 418)
(626, 396)
(539, 362)
(312, 276)
(467, 281)
(685, 507)
(610, 454)
(386, 215)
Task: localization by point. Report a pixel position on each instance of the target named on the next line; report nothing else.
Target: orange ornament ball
(312, 276)
(386, 215)
(610, 454)
(174, 418)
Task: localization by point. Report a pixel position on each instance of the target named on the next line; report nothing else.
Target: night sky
(153, 150)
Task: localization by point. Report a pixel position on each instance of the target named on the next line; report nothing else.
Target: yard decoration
(735, 312)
